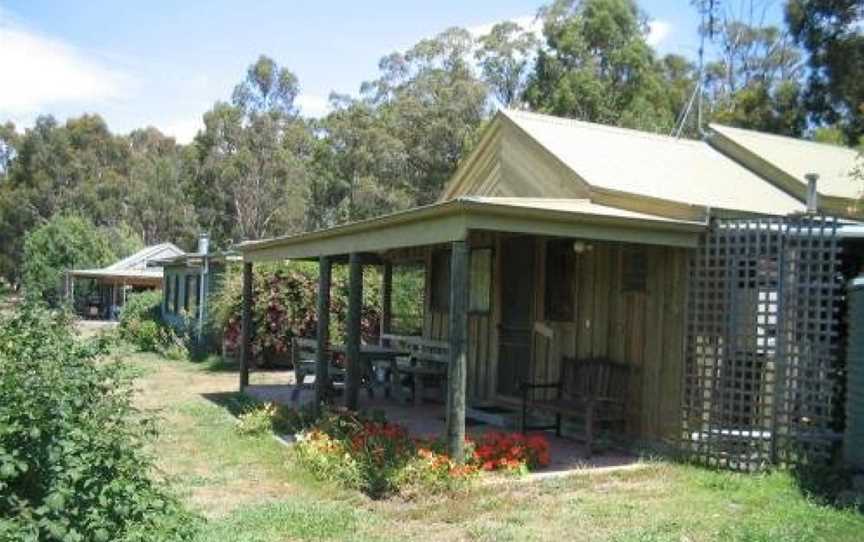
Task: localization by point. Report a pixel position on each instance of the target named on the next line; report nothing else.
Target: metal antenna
(706, 10)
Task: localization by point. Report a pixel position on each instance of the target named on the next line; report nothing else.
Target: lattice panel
(762, 342)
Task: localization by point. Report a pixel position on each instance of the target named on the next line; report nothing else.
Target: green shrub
(72, 459)
(141, 325)
(69, 242)
(285, 307)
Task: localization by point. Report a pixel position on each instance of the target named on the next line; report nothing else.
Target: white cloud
(45, 72)
(183, 130)
(527, 22)
(658, 31)
(312, 106)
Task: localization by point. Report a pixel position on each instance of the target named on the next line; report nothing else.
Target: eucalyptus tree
(831, 32)
(597, 66)
(254, 158)
(504, 56)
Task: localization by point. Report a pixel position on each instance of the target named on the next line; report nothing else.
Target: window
(560, 278)
(187, 293)
(635, 270)
(175, 305)
(197, 297)
(480, 295)
(167, 293)
(440, 290)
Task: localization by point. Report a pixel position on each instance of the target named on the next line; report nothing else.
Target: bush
(141, 325)
(285, 307)
(72, 459)
(63, 243)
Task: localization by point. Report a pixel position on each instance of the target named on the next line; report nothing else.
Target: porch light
(581, 246)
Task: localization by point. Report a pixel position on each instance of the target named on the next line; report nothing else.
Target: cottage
(188, 283)
(561, 242)
(109, 286)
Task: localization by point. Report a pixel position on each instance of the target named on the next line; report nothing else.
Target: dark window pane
(560, 273)
(440, 281)
(635, 270)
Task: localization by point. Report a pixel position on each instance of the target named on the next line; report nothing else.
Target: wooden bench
(304, 352)
(427, 361)
(594, 390)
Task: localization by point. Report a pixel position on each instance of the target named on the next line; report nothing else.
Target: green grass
(250, 489)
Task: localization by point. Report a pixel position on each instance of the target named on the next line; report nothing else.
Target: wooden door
(517, 313)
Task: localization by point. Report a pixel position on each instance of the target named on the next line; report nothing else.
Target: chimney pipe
(812, 193)
(203, 243)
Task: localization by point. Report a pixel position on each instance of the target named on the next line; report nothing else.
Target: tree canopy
(260, 168)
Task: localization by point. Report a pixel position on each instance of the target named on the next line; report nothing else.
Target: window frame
(550, 308)
(484, 308)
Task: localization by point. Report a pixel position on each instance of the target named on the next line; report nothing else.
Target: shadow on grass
(234, 402)
(214, 363)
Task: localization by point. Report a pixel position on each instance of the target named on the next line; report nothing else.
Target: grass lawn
(250, 490)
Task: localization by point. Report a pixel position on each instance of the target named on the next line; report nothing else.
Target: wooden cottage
(188, 283)
(109, 286)
(559, 240)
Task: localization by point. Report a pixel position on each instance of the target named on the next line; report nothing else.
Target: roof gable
(140, 259)
(785, 160)
(531, 155)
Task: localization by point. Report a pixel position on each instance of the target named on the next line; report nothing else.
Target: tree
(597, 66)
(754, 82)
(8, 142)
(504, 55)
(254, 158)
(830, 31)
(268, 88)
(430, 100)
(160, 190)
(63, 243)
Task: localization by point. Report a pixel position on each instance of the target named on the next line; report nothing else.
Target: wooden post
(246, 338)
(322, 368)
(352, 344)
(386, 297)
(456, 374)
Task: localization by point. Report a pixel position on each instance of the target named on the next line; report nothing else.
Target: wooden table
(376, 352)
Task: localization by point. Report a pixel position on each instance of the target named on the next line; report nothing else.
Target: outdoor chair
(303, 355)
(592, 390)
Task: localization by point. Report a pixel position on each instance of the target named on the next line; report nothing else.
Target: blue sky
(163, 63)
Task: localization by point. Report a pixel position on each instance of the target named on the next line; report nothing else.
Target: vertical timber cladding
(762, 342)
(482, 332)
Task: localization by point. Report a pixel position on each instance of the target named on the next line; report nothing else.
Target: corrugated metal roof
(797, 157)
(136, 264)
(645, 164)
(139, 259)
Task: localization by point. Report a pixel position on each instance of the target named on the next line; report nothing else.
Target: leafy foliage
(597, 66)
(830, 30)
(285, 307)
(72, 459)
(141, 325)
(65, 242)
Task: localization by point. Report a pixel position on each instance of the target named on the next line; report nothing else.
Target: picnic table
(371, 353)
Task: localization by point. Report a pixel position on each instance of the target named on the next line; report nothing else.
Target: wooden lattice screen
(762, 343)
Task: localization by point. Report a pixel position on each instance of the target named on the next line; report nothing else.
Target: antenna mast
(706, 10)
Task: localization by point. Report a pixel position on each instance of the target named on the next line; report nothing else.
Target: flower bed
(380, 458)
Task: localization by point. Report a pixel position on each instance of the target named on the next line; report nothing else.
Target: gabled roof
(134, 266)
(139, 259)
(793, 159)
(631, 167)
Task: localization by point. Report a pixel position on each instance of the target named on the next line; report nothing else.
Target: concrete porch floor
(567, 455)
